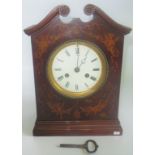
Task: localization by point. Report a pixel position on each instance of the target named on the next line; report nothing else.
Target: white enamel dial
(76, 69)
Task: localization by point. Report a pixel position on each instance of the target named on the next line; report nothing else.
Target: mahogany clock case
(96, 114)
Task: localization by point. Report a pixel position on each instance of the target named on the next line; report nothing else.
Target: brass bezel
(101, 81)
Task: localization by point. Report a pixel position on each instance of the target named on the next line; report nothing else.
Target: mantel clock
(77, 71)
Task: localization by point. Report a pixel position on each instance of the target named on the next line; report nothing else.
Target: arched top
(89, 9)
(62, 10)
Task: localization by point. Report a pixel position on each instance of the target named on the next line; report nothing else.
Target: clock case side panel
(117, 79)
(43, 111)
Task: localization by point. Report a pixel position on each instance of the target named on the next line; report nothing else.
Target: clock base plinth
(77, 128)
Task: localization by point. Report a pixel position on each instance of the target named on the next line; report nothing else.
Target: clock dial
(77, 69)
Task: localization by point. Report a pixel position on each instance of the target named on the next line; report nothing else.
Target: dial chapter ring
(70, 94)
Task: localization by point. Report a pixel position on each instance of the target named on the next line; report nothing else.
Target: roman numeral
(93, 78)
(86, 85)
(96, 69)
(67, 84)
(67, 53)
(57, 69)
(60, 78)
(86, 53)
(94, 60)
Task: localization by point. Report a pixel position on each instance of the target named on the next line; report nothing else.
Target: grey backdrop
(33, 12)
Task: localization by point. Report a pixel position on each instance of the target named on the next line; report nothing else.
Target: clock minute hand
(83, 61)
